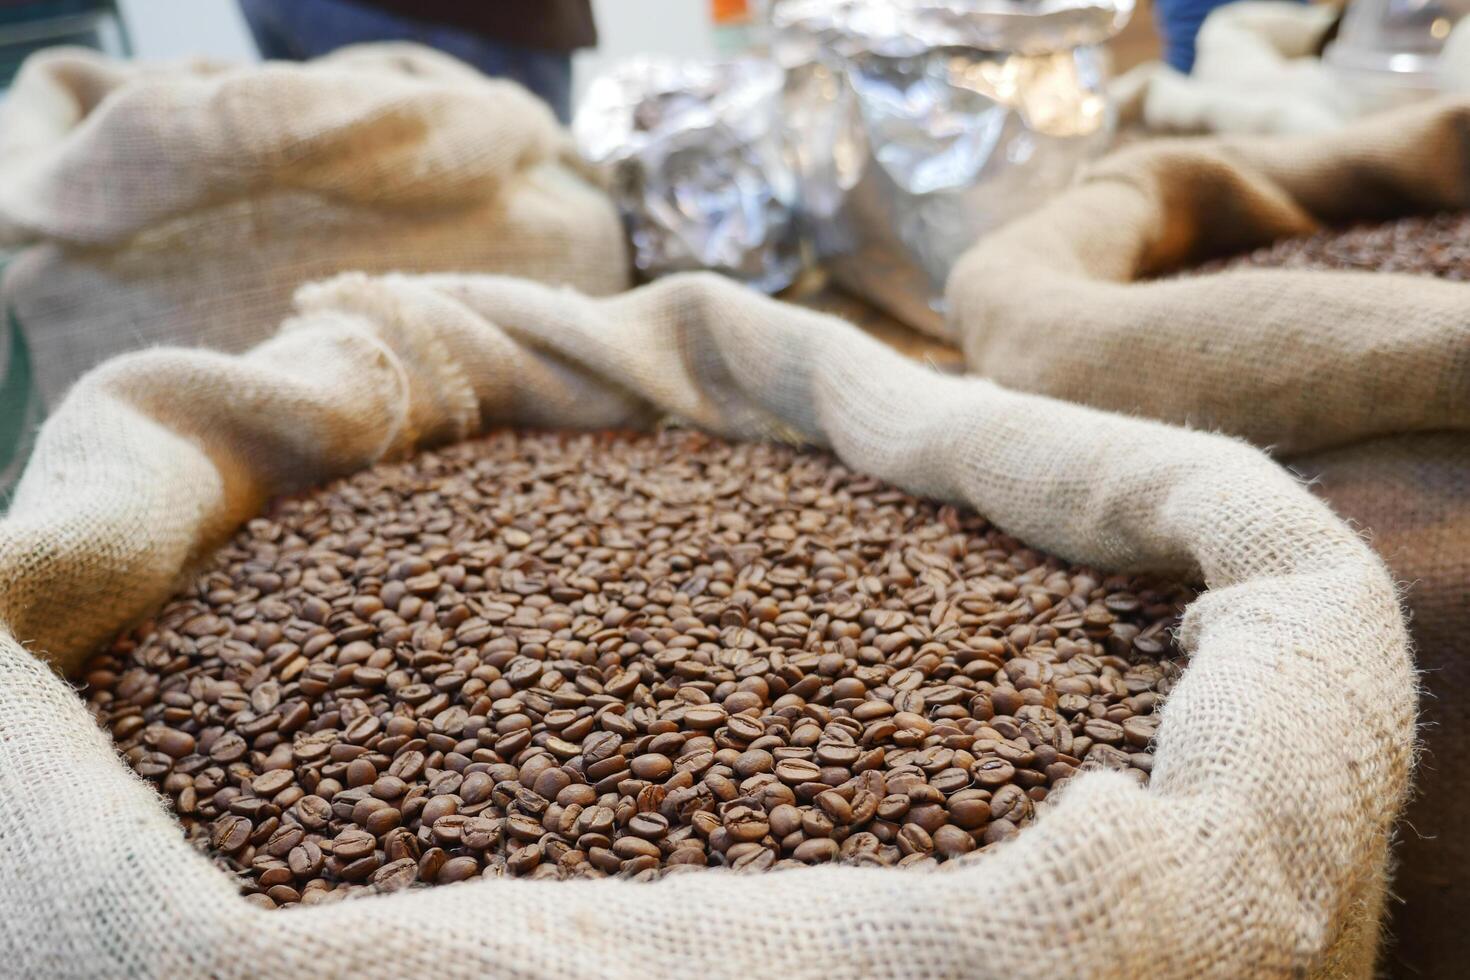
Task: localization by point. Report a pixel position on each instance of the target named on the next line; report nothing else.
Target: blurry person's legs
(295, 30)
(299, 29)
(546, 73)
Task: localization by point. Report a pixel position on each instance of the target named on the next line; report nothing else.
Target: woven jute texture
(184, 204)
(1360, 380)
(1259, 849)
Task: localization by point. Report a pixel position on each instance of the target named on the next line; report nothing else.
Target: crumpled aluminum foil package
(697, 163)
(915, 126)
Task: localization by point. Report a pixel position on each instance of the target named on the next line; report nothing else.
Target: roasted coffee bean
(171, 742)
(570, 655)
(652, 766)
(796, 771)
(745, 823)
(815, 851)
(457, 869)
(913, 839)
(951, 841)
(396, 875)
(836, 807)
(352, 844)
(650, 826)
(993, 772)
(230, 833)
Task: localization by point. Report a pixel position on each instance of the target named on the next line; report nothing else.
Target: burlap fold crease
(1258, 850)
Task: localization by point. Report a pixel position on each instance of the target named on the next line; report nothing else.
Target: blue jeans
(1179, 21)
(295, 30)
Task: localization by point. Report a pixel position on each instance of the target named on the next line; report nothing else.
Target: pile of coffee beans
(564, 655)
(1437, 245)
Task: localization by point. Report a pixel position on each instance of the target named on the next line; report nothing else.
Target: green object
(28, 27)
(20, 406)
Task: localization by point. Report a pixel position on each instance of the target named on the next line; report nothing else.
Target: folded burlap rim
(1258, 849)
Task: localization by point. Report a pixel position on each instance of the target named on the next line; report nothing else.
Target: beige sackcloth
(1259, 68)
(185, 203)
(1360, 381)
(1259, 849)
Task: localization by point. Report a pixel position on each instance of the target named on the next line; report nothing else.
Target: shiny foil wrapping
(697, 164)
(915, 126)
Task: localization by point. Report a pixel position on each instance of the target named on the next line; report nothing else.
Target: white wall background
(628, 27)
(163, 29)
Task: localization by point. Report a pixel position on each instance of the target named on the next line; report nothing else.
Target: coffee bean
(1139, 730)
(396, 875)
(993, 772)
(570, 655)
(389, 788)
(230, 833)
(271, 783)
(835, 805)
(633, 847)
(705, 717)
(999, 830)
(745, 823)
(913, 839)
(754, 762)
(816, 851)
(457, 869)
(743, 728)
(361, 772)
(352, 844)
(1426, 245)
(170, 741)
(440, 806)
(383, 820)
(1104, 731)
(951, 841)
(652, 766)
(796, 771)
(476, 788)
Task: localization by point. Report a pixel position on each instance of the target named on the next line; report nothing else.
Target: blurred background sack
(185, 203)
(1279, 66)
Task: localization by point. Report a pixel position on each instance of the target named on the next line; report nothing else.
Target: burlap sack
(184, 204)
(1256, 70)
(1059, 303)
(1360, 380)
(1284, 751)
(1259, 68)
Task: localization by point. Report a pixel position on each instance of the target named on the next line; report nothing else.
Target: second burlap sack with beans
(1259, 848)
(1359, 380)
(185, 203)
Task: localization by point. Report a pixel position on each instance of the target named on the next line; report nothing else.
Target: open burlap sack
(185, 203)
(1064, 301)
(1284, 751)
(1360, 380)
(1257, 69)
